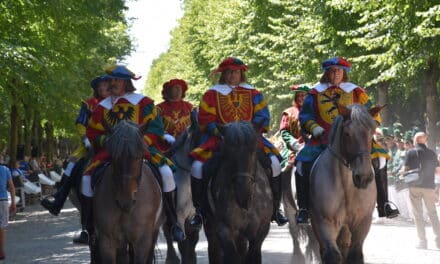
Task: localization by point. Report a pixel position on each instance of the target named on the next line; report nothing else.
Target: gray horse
(342, 190)
(184, 208)
(305, 245)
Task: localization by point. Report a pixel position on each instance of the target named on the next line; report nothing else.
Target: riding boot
(302, 193)
(54, 203)
(277, 215)
(170, 211)
(87, 208)
(197, 197)
(383, 205)
(83, 237)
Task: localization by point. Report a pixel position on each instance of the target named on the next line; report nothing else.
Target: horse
(239, 197)
(184, 208)
(342, 188)
(305, 244)
(127, 205)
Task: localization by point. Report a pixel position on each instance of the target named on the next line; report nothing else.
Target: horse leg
(107, 250)
(187, 247)
(215, 252)
(228, 243)
(327, 233)
(355, 254)
(122, 255)
(254, 251)
(140, 254)
(344, 241)
(172, 257)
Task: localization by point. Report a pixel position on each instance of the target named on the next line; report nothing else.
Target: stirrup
(279, 218)
(302, 217)
(177, 233)
(196, 222)
(389, 211)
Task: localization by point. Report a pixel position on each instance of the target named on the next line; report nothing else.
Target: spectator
(5, 182)
(25, 167)
(423, 190)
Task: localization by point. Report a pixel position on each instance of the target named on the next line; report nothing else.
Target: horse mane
(359, 116)
(126, 141)
(240, 134)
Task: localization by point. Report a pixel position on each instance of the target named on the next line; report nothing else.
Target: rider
(316, 118)
(290, 128)
(54, 203)
(124, 104)
(175, 112)
(232, 99)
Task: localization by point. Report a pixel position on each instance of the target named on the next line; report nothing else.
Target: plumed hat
(166, 86)
(299, 88)
(121, 72)
(336, 61)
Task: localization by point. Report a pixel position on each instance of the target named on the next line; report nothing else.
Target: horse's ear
(375, 110)
(344, 111)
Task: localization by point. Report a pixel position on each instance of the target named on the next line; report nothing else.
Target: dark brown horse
(127, 203)
(239, 197)
(343, 192)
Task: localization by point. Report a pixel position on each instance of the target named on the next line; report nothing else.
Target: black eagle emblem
(114, 116)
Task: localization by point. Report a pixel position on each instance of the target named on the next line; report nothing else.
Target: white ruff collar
(133, 98)
(346, 86)
(225, 89)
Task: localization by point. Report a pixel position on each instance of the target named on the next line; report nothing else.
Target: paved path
(38, 237)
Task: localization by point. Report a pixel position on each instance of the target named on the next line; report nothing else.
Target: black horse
(239, 198)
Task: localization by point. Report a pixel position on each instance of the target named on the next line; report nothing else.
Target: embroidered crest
(327, 100)
(235, 106)
(120, 112)
(176, 121)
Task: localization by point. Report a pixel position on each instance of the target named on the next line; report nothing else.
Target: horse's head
(126, 148)
(238, 159)
(351, 140)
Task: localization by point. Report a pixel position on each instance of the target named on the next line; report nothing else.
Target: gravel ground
(35, 236)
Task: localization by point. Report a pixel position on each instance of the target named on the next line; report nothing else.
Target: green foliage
(284, 42)
(50, 50)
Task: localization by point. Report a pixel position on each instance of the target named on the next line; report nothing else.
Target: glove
(87, 143)
(295, 146)
(169, 139)
(318, 132)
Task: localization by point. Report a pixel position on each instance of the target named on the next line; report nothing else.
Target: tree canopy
(393, 45)
(49, 52)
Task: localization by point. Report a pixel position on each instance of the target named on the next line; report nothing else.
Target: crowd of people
(304, 129)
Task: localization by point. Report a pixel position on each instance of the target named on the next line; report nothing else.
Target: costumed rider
(231, 100)
(54, 203)
(175, 112)
(290, 128)
(125, 104)
(316, 117)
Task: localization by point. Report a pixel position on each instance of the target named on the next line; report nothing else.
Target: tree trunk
(432, 75)
(36, 135)
(50, 141)
(382, 99)
(27, 130)
(13, 135)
